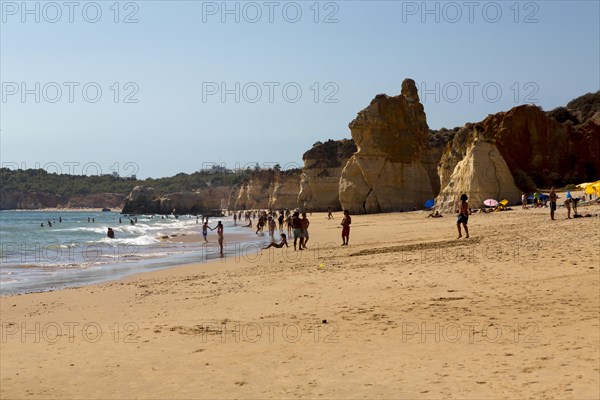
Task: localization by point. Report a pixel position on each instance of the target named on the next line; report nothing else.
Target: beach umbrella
(587, 184)
(490, 202)
(429, 203)
(593, 188)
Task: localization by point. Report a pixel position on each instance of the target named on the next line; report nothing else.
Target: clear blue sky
(178, 53)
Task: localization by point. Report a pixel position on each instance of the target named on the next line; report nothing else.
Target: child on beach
(346, 227)
(463, 215)
(205, 229)
(279, 245)
(219, 228)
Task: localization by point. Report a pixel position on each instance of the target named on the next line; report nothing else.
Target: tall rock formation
(481, 173)
(387, 172)
(320, 179)
(535, 148)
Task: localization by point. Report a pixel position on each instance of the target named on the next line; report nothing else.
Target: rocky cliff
(480, 172)
(387, 172)
(283, 192)
(254, 193)
(320, 179)
(144, 200)
(18, 200)
(535, 148)
(268, 190)
(550, 152)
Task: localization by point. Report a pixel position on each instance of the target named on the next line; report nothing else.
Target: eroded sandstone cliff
(283, 192)
(320, 179)
(268, 190)
(387, 172)
(533, 147)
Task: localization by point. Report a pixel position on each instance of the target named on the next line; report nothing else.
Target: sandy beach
(404, 311)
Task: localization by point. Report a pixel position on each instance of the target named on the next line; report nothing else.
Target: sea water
(75, 249)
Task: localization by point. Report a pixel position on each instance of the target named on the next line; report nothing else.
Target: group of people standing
(297, 225)
(570, 202)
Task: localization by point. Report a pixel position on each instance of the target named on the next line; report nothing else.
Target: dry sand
(405, 311)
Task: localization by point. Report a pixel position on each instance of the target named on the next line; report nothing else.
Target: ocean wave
(144, 240)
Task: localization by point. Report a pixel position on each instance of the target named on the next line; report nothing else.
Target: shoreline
(108, 261)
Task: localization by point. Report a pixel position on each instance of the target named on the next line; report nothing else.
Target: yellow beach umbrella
(592, 188)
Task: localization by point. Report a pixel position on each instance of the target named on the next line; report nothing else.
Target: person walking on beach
(234, 219)
(329, 214)
(553, 198)
(220, 237)
(463, 216)
(305, 224)
(524, 201)
(279, 245)
(346, 221)
(297, 230)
